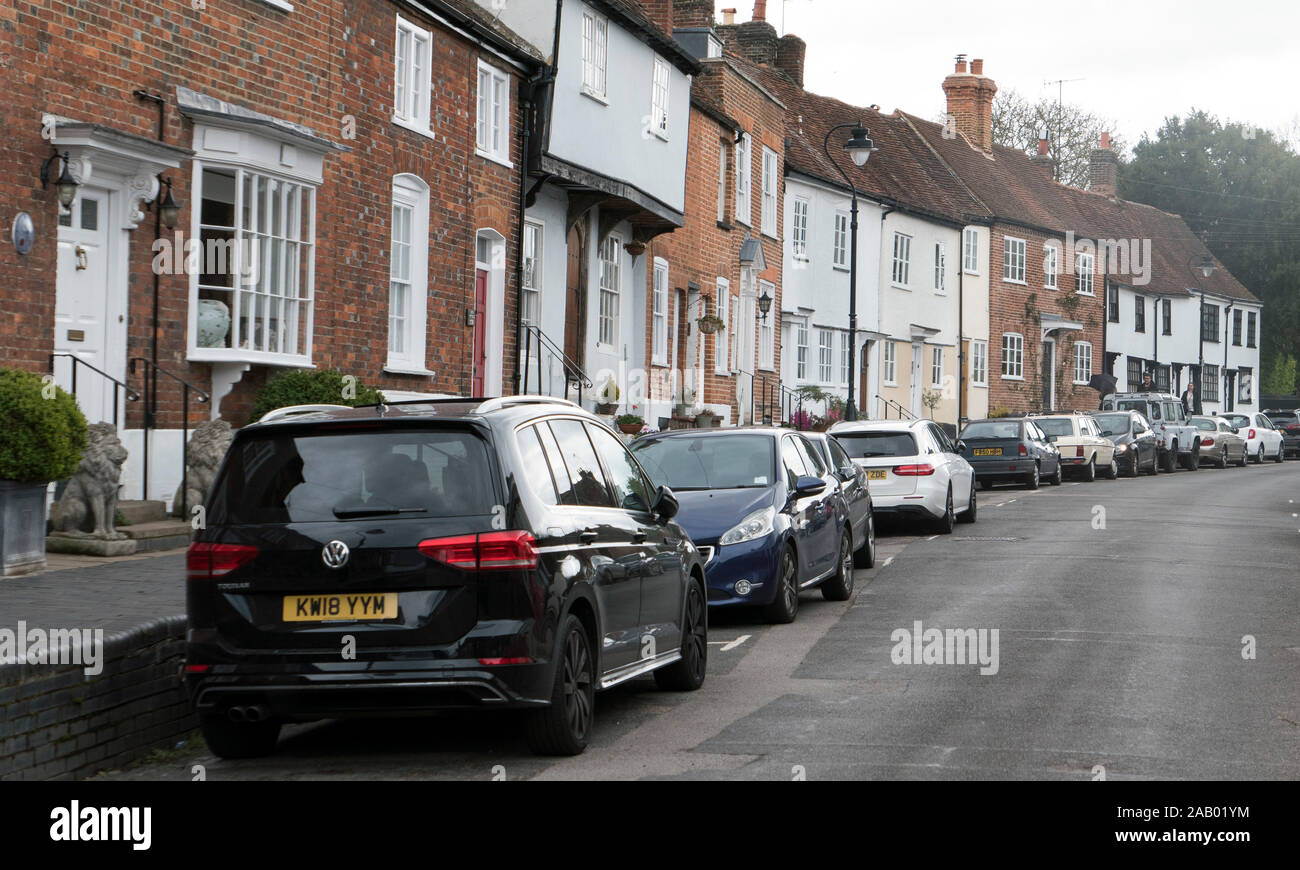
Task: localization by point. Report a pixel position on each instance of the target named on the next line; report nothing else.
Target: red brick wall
(313, 66)
(1016, 308)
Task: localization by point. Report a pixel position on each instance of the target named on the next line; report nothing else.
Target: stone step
(136, 512)
(159, 535)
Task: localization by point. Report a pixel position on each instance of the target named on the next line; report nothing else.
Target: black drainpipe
(151, 405)
(961, 327)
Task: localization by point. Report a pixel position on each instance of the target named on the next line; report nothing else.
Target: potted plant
(630, 424)
(45, 433)
(607, 398)
(931, 399)
(710, 323)
(704, 417)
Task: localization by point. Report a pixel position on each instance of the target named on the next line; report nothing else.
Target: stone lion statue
(89, 503)
(207, 448)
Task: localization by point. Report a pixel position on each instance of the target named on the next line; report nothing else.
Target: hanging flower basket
(710, 323)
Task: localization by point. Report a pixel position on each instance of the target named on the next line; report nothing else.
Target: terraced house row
(629, 203)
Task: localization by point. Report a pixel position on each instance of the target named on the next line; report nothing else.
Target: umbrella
(1103, 383)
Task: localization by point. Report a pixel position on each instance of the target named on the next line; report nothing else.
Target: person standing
(1191, 399)
(1148, 386)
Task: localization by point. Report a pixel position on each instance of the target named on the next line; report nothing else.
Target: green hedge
(309, 387)
(44, 430)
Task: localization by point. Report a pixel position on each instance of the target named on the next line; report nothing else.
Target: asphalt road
(1162, 643)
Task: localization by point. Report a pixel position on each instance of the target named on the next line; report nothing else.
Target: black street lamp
(1206, 267)
(65, 185)
(859, 148)
(764, 305)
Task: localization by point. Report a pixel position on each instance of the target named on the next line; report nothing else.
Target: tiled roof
(481, 19)
(631, 14)
(903, 172)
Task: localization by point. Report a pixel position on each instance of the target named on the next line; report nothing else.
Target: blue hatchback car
(764, 510)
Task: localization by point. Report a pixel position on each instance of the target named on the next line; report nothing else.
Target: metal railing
(573, 373)
(150, 383)
(130, 394)
(890, 403)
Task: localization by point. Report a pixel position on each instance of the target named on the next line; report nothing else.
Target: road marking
(737, 642)
(1009, 501)
(932, 537)
(887, 561)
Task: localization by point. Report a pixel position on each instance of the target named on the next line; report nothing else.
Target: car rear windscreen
(690, 462)
(283, 477)
(1061, 427)
(991, 430)
(1112, 424)
(869, 445)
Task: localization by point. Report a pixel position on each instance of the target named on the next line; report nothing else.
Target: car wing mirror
(665, 504)
(807, 485)
(961, 446)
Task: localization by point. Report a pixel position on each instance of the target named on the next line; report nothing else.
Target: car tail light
(1206, 442)
(1251, 436)
(489, 551)
(516, 660)
(197, 669)
(1078, 451)
(204, 560)
(924, 469)
(1023, 450)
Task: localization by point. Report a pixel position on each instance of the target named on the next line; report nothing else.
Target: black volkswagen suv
(415, 557)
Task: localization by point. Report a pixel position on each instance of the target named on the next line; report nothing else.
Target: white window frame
(1082, 362)
(799, 227)
(733, 330)
(1084, 266)
(1051, 266)
(889, 362)
(406, 354)
(770, 188)
(533, 254)
(721, 338)
(936, 366)
(940, 268)
(659, 313)
(971, 250)
(609, 332)
(744, 179)
(493, 108)
(840, 240)
(979, 363)
(411, 79)
(845, 356)
(1013, 356)
(801, 350)
(1013, 260)
(659, 92)
(722, 181)
(595, 55)
(767, 330)
(825, 355)
(901, 274)
(292, 308)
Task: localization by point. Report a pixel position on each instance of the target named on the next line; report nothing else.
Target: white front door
(915, 396)
(89, 318)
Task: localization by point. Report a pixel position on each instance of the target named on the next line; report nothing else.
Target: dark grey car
(1010, 450)
(856, 492)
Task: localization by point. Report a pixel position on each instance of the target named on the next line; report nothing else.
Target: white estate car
(913, 469)
(1263, 439)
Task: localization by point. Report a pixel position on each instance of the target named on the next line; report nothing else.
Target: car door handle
(639, 538)
(588, 536)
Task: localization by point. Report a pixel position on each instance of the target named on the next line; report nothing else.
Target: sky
(1133, 62)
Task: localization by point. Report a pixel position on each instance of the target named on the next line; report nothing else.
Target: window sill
(723, 225)
(1050, 287)
(659, 134)
(282, 5)
(839, 268)
(592, 95)
(771, 235)
(399, 369)
(980, 386)
(1022, 283)
(901, 287)
(1013, 377)
(607, 349)
(1082, 293)
(495, 158)
(969, 272)
(746, 224)
(249, 357)
(414, 127)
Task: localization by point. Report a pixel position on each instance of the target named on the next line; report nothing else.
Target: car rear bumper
(909, 506)
(1002, 469)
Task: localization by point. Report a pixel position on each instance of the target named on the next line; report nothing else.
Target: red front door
(477, 380)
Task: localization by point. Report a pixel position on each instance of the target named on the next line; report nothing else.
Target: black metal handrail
(890, 403)
(131, 395)
(151, 418)
(573, 372)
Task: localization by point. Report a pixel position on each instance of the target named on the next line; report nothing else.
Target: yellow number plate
(333, 608)
(877, 475)
(988, 451)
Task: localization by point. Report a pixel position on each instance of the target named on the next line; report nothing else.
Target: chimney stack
(790, 51)
(660, 12)
(692, 13)
(760, 10)
(970, 102)
(728, 17)
(1103, 169)
(1043, 159)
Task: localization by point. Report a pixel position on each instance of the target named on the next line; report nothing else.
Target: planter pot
(630, 428)
(704, 421)
(22, 527)
(606, 409)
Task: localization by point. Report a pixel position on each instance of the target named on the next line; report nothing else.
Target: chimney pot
(1105, 140)
(760, 10)
(728, 16)
(961, 65)
(1042, 146)
(977, 67)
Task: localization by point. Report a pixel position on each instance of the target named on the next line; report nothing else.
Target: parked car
(1084, 451)
(763, 508)
(1220, 442)
(1135, 443)
(913, 468)
(857, 495)
(1178, 442)
(497, 554)
(1262, 440)
(1288, 423)
(1010, 450)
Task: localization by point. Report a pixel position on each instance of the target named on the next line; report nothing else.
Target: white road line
(932, 537)
(737, 642)
(886, 562)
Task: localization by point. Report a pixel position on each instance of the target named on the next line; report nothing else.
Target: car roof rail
(500, 402)
(294, 410)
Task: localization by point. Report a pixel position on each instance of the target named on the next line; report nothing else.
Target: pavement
(1148, 628)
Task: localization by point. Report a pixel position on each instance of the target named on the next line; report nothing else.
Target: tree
(1239, 187)
(1072, 133)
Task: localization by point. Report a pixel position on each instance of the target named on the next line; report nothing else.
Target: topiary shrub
(44, 430)
(311, 387)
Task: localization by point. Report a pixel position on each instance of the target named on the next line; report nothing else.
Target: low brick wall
(58, 723)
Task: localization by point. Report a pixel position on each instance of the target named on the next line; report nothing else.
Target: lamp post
(859, 148)
(1206, 268)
